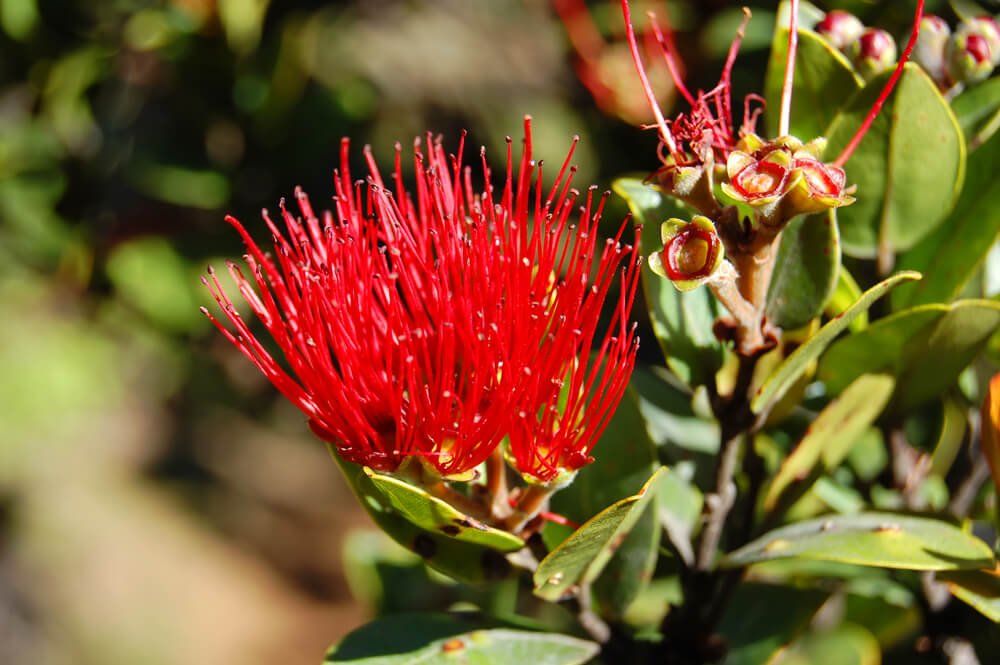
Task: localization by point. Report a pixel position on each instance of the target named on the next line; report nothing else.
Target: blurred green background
(159, 504)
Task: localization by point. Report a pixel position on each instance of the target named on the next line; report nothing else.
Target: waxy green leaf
(908, 169)
(952, 255)
(846, 644)
(625, 457)
(580, 558)
(925, 348)
(682, 322)
(433, 514)
(824, 81)
(830, 437)
(456, 548)
(805, 272)
(884, 540)
(440, 639)
(798, 362)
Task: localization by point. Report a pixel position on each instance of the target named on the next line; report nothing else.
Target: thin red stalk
(667, 47)
(661, 122)
(786, 88)
(886, 91)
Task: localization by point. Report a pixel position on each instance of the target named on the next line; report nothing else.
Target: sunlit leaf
(925, 348)
(580, 558)
(831, 435)
(468, 554)
(883, 540)
(798, 362)
(438, 639)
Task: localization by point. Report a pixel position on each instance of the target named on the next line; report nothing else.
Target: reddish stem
(886, 91)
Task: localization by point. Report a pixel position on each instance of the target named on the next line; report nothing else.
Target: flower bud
(840, 28)
(873, 53)
(930, 50)
(692, 252)
(970, 59)
(987, 28)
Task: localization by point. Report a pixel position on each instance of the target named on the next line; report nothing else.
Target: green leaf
(580, 558)
(433, 514)
(625, 457)
(805, 273)
(846, 292)
(474, 558)
(925, 348)
(631, 568)
(954, 253)
(884, 540)
(824, 80)
(908, 168)
(831, 436)
(682, 322)
(977, 110)
(978, 588)
(763, 618)
(846, 644)
(438, 639)
(798, 362)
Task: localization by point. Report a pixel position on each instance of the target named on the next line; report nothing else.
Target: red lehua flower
(433, 324)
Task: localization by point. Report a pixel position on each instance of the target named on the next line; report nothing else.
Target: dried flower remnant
(431, 324)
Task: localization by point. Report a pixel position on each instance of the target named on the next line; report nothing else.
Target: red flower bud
(971, 57)
(874, 52)
(840, 28)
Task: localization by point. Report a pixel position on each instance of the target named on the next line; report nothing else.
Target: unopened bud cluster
(871, 50)
(961, 57)
(953, 58)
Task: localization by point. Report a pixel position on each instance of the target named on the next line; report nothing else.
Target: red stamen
(886, 91)
(661, 122)
(786, 88)
(666, 41)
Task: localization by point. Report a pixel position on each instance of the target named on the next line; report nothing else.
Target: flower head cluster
(438, 323)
